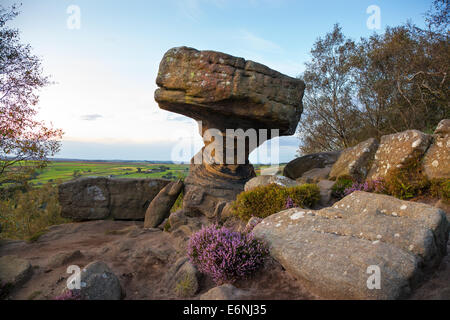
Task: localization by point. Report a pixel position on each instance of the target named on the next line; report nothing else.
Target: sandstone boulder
(97, 198)
(314, 175)
(226, 93)
(297, 167)
(159, 208)
(224, 292)
(98, 282)
(64, 258)
(14, 272)
(397, 150)
(265, 180)
(355, 162)
(437, 159)
(335, 251)
(183, 278)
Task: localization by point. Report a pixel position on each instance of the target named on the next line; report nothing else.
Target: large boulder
(14, 272)
(265, 180)
(338, 252)
(183, 278)
(355, 162)
(397, 151)
(97, 198)
(437, 159)
(159, 208)
(226, 93)
(297, 167)
(98, 282)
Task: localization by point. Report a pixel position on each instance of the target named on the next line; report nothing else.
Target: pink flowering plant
(68, 295)
(376, 186)
(226, 255)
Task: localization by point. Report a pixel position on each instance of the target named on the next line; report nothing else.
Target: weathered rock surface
(14, 272)
(355, 162)
(224, 292)
(437, 159)
(297, 167)
(330, 250)
(183, 278)
(266, 180)
(64, 258)
(97, 198)
(98, 282)
(159, 208)
(225, 92)
(314, 175)
(396, 150)
(326, 191)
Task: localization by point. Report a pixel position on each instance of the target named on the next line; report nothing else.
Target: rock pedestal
(226, 93)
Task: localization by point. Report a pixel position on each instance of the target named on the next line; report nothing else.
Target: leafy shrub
(338, 189)
(376, 186)
(407, 182)
(225, 255)
(26, 215)
(264, 201)
(440, 189)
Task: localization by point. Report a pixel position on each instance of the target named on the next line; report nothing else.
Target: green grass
(65, 171)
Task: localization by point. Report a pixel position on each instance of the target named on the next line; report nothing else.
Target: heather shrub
(225, 255)
(264, 201)
(376, 186)
(68, 295)
(343, 183)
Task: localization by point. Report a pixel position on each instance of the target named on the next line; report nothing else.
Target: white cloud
(257, 43)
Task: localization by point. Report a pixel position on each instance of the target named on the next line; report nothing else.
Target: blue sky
(105, 72)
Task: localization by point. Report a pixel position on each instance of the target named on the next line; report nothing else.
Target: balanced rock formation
(225, 92)
(437, 159)
(299, 166)
(96, 198)
(398, 150)
(338, 252)
(355, 162)
(159, 208)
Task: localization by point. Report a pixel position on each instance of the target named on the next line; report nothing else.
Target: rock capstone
(232, 99)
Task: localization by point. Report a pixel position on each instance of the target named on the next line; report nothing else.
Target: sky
(104, 68)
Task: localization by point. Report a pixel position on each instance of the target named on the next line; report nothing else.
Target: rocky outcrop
(183, 278)
(398, 150)
(224, 292)
(97, 198)
(159, 208)
(98, 282)
(297, 167)
(314, 175)
(225, 92)
(265, 180)
(337, 252)
(437, 159)
(14, 272)
(355, 162)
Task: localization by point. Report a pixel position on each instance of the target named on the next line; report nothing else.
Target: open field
(64, 171)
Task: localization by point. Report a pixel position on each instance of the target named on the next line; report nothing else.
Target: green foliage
(440, 189)
(407, 182)
(266, 200)
(26, 215)
(186, 286)
(178, 203)
(340, 186)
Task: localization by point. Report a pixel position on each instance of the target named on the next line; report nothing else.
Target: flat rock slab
(355, 162)
(334, 250)
(14, 271)
(396, 150)
(228, 92)
(266, 180)
(97, 198)
(436, 163)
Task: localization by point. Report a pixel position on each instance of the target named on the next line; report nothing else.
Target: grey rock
(14, 272)
(297, 167)
(266, 180)
(224, 292)
(98, 282)
(330, 250)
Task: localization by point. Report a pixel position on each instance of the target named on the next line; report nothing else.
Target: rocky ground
(140, 258)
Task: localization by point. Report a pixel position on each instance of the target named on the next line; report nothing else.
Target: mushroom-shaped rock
(225, 94)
